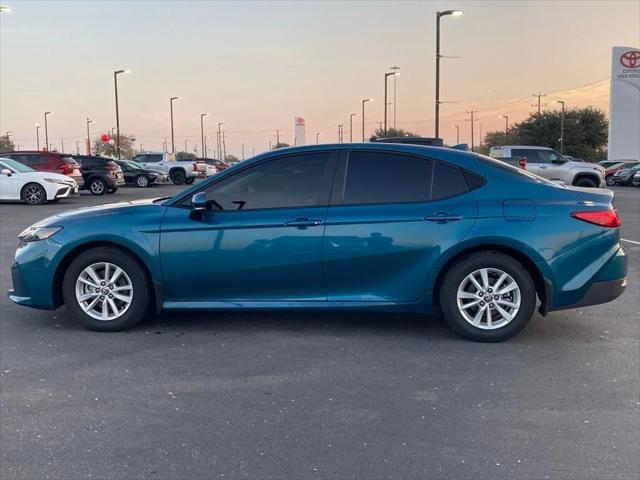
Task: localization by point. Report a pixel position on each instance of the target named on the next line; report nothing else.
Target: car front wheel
(610, 180)
(106, 289)
(34, 194)
(142, 181)
(488, 297)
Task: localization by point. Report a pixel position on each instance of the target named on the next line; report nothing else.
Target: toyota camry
(376, 227)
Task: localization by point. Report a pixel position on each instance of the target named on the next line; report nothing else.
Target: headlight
(32, 234)
(55, 180)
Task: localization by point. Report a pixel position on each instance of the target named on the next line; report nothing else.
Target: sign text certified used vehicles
(19, 182)
(383, 227)
(549, 164)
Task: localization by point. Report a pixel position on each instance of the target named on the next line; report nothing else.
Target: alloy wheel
(33, 194)
(488, 298)
(97, 187)
(142, 181)
(104, 291)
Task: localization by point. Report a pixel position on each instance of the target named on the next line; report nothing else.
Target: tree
(585, 132)
(231, 158)
(185, 156)
(281, 145)
(393, 132)
(108, 149)
(6, 144)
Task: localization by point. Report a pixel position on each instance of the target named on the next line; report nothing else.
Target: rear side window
(448, 181)
(382, 177)
(153, 158)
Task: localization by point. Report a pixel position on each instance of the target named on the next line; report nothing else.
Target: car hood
(39, 176)
(97, 210)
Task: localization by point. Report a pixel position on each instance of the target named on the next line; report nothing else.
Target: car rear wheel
(585, 182)
(142, 181)
(610, 180)
(106, 290)
(34, 194)
(97, 186)
(177, 177)
(488, 297)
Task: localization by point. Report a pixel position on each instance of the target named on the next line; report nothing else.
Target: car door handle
(443, 217)
(302, 223)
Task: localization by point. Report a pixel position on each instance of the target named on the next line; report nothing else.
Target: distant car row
(622, 172)
(36, 177)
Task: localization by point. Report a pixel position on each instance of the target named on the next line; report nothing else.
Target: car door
(152, 160)
(391, 216)
(9, 184)
(534, 161)
(260, 241)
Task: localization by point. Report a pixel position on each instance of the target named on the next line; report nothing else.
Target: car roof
(439, 153)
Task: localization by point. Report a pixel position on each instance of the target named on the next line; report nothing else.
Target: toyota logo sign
(630, 59)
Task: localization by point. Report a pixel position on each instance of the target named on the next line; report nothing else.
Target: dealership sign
(624, 112)
(299, 136)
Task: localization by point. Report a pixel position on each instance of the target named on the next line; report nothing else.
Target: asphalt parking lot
(299, 395)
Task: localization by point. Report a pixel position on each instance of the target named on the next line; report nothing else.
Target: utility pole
(317, 137)
(62, 144)
(277, 138)
(539, 96)
(220, 140)
(89, 121)
(243, 151)
(77, 147)
(340, 133)
(224, 146)
(472, 119)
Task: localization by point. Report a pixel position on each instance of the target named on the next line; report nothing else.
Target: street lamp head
(174, 98)
(453, 13)
(48, 113)
(5, 9)
(204, 114)
(117, 72)
(503, 116)
(367, 100)
(37, 125)
(561, 102)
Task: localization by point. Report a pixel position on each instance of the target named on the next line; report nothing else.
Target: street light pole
(395, 69)
(457, 127)
(506, 128)
(202, 115)
(386, 76)
(561, 102)
(46, 131)
(220, 140)
(317, 137)
(455, 13)
(185, 145)
(351, 115)
(88, 149)
(243, 151)
(363, 102)
(38, 136)
(173, 147)
(115, 85)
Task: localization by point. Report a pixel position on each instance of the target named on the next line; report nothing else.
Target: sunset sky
(256, 65)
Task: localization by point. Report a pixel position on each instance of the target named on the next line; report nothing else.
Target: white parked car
(19, 182)
(549, 164)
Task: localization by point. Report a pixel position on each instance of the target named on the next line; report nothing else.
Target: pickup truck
(549, 164)
(180, 172)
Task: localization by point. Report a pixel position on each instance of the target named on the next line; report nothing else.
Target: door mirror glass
(199, 202)
(5, 171)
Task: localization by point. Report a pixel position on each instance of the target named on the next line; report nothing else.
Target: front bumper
(66, 191)
(161, 180)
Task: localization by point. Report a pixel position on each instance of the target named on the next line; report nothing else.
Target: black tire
(177, 176)
(97, 186)
(493, 260)
(112, 190)
(33, 194)
(585, 182)
(190, 180)
(610, 180)
(142, 181)
(142, 295)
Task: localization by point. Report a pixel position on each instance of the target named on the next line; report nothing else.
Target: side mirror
(5, 171)
(198, 205)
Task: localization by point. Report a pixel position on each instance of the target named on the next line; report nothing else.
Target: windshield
(13, 165)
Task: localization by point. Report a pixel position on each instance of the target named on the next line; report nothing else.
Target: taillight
(66, 169)
(195, 166)
(602, 218)
(522, 163)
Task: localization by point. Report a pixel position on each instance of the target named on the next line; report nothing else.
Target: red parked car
(49, 162)
(611, 169)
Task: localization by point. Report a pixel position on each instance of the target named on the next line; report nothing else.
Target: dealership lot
(300, 395)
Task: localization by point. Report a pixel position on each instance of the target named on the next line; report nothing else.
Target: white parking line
(630, 241)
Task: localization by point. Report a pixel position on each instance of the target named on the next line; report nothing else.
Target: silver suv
(549, 164)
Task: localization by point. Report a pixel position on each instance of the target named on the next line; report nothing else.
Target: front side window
(293, 181)
(152, 158)
(383, 177)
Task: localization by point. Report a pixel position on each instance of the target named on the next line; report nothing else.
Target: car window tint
(153, 158)
(381, 177)
(294, 181)
(448, 181)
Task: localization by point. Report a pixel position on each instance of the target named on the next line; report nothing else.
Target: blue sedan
(377, 227)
